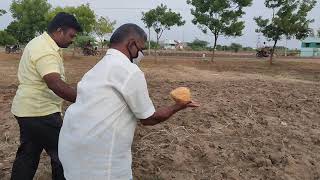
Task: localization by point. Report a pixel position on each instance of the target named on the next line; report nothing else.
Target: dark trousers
(36, 134)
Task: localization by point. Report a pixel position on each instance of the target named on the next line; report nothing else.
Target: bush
(235, 47)
(198, 45)
(81, 40)
(6, 39)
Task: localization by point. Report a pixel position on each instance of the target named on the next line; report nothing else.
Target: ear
(131, 42)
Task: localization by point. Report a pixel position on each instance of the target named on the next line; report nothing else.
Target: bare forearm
(162, 114)
(59, 87)
(64, 91)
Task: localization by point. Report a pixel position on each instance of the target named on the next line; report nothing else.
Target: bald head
(126, 32)
(130, 40)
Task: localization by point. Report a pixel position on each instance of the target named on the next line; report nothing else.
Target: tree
(289, 20)
(29, 18)
(160, 19)
(2, 12)
(148, 20)
(220, 17)
(219, 47)
(235, 47)
(102, 27)
(318, 33)
(312, 33)
(84, 14)
(198, 45)
(81, 40)
(6, 39)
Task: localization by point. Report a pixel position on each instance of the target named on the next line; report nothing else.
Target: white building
(171, 44)
(310, 47)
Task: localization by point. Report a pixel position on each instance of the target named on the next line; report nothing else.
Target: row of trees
(223, 17)
(200, 45)
(217, 17)
(31, 18)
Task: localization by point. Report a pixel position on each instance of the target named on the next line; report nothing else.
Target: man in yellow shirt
(38, 100)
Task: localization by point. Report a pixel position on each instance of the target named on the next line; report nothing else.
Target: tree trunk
(156, 55)
(149, 43)
(285, 52)
(286, 49)
(272, 51)
(214, 46)
(74, 50)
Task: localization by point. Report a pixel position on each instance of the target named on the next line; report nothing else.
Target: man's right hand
(189, 104)
(162, 114)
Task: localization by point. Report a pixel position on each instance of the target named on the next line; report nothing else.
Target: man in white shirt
(96, 136)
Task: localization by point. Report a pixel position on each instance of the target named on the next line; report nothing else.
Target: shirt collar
(52, 43)
(116, 52)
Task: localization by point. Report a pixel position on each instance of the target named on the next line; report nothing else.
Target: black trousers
(36, 134)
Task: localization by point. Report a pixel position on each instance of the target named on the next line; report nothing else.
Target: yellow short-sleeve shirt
(33, 98)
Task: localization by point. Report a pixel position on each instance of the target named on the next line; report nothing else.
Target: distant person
(97, 133)
(38, 100)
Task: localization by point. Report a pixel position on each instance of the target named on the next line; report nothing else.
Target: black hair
(64, 20)
(127, 31)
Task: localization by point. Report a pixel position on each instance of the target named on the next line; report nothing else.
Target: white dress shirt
(97, 133)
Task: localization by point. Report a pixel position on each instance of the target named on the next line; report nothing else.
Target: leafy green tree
(220, 17)
(29, 18)
(102, 27)
(86, 18)
(6, 39)
(226, 48)
(54, 11)
(161, 18)
(15, 29)
(198, 45)
(2, 12)
(84, 14)
(218, 47)
(318, 33)
(289, 20)
(81, 40)
(235, 47)
(148, 20)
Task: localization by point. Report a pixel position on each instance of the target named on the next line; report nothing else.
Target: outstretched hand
(193, 104)
(184, 105)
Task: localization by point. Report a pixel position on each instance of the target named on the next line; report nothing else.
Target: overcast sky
(125, 11)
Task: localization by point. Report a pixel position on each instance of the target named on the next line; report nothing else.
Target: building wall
(310, 52)
(310, 45)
